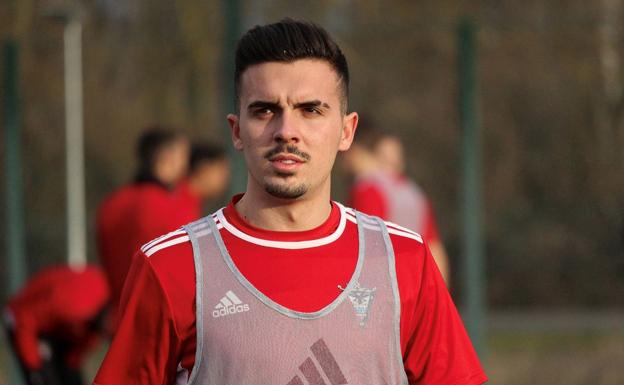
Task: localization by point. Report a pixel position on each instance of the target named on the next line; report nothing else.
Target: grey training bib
(245, 338)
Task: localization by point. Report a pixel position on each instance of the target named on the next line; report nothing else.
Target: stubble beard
(285, 191)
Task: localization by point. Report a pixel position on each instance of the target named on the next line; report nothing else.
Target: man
(54, 320)
(284, 286)
(381, 188)
(143, 209)
(207, 179)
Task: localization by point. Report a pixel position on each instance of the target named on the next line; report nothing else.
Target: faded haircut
(287, 41)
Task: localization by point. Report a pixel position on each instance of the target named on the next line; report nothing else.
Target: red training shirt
(130, 217)
(368, 197)
(57, 303)
(156, 338)
(189, 202)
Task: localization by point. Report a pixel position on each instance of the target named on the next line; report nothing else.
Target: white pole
(74, 145)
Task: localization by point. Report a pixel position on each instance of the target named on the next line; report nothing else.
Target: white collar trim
(286, 244)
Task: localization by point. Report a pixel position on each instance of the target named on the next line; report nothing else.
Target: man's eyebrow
(312, 103)
(260, 104)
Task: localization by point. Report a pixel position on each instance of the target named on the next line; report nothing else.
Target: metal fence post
(472, 231)
(232, 16)
(14, 227)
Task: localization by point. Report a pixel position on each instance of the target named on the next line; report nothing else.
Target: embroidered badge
(361, 298)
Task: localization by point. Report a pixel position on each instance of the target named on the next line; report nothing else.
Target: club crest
(361, 298)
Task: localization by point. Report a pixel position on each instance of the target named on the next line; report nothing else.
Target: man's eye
(263, 112)
(312, 110)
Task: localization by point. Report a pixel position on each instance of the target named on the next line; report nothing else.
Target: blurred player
(54, 321)
(285, 286)
(208, 178)
(143, 209)
(381, 188)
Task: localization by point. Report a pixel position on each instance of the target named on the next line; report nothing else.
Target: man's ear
(233, 121)
(349, 125)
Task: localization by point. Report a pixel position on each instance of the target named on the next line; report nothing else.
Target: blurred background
(549, 113)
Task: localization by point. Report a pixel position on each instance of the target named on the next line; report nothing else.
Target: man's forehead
(301, 78)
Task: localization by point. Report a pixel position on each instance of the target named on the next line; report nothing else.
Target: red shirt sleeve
(436, 348)
(27, 344)
(146, 345)
(27, 306)
(56, 303)
(367, 198)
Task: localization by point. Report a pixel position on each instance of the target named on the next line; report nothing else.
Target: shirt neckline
(326, 233)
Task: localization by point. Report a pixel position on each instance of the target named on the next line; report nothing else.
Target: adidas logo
(328, 365)
(230, 304)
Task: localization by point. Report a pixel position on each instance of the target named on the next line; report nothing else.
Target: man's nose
(286, 128)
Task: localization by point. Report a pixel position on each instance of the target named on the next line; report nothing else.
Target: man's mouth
(286, 159)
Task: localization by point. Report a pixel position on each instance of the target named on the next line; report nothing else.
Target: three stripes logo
(230, 304)
(328, 364)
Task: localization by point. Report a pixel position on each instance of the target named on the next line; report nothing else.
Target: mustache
(290, 149)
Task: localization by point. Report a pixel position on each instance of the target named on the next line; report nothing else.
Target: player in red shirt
(54, 320)
(285, 286)
(143, 209)
(381, 188)
(208, 177)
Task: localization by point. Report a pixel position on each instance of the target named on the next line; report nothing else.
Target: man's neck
(270, 213)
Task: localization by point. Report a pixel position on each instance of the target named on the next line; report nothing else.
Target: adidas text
(230, 310)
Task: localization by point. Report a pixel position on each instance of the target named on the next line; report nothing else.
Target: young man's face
(290, 127)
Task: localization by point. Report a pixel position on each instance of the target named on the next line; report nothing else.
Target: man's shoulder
(408, 246)
(399, 235)
(175, 243)
(168, 249)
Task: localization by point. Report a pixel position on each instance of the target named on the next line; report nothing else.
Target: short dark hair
(151, 142)
(205, 152)
(287, 41)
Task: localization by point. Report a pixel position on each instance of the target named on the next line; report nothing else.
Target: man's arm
(436, 347)
(431, 235)
(146, 345)
(441, 258)
(26, 342)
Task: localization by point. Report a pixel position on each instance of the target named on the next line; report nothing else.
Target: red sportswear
(57, 303)
(156, 337)
(368, 197)
(190, 204)
(128, 218)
